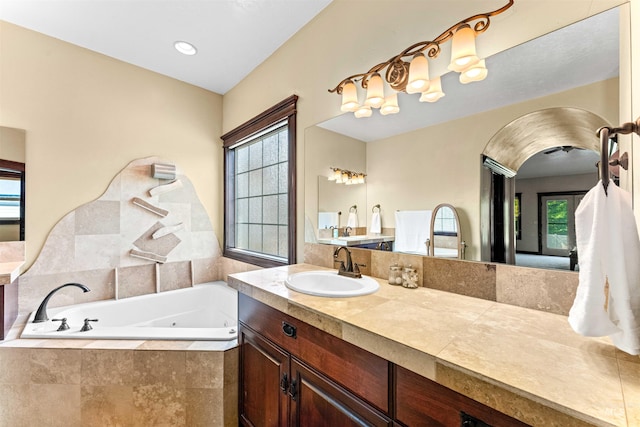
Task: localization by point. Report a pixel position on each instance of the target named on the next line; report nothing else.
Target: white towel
(412, 231)
(376, 224)
(328, 220)
(609, 251)
(352, 220)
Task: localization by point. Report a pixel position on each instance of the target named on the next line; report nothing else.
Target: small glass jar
(410, 277)
(395, 275)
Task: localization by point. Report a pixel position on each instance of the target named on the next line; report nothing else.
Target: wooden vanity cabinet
(422, 402)
(292, 373)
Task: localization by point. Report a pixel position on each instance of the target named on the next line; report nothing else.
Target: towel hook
(353, 208)
(373, 209)
(603, 132)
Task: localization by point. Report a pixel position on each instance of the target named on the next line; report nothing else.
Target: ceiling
(232, 36)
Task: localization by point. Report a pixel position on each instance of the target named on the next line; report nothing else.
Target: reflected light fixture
(185, 48)
(342, 176)
(413, 77)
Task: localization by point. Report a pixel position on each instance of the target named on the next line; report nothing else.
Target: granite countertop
(526, 363)
(9, 271)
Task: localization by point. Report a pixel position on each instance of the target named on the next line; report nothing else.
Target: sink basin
(330, 284)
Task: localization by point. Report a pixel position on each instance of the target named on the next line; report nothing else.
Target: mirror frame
(460, 243)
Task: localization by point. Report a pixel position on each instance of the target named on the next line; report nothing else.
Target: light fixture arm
(398, 68)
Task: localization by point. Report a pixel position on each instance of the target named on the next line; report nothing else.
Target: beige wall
(12, 144)
(87, 116)
(346, 38)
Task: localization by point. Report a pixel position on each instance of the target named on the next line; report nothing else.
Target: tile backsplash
(546, 290)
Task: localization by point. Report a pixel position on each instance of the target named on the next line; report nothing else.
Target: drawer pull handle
(284, 383)
(289, 330)
(293, 390)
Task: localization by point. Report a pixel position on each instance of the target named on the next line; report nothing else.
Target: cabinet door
(264, 382)
(422, 402)
(319, 402)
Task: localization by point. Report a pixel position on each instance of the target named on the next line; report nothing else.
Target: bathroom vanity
(359, 241)
(401, 356)
(290, 367)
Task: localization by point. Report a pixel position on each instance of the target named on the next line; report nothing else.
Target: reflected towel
(352, 220)
(328, 220)
(608, 296)
(376, 224)
(412, 231)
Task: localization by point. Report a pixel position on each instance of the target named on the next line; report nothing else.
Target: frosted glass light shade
(375, 91)
(435, 91)
(418, 74)
(363, 111)
(463, 49)
(390, 105)
(475, 73)
(349, 97)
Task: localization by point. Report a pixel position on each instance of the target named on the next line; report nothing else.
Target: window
(9, 199)
(260, 202)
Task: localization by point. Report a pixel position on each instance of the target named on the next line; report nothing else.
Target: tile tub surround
(91, 244)
(127, 383)
(546, 290)
(526, 363)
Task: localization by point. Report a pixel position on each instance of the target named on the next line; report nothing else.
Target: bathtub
(208, 311)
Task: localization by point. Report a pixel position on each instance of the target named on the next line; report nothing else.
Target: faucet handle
(356, 267)
(87, 326)
(63, 326)
(342, 267)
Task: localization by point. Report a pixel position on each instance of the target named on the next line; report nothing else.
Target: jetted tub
(208, 311)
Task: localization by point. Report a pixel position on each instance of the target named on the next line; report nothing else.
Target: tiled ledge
(526, 363)
(12, 257)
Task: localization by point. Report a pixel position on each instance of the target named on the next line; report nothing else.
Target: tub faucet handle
(63, 326)
(87, 326)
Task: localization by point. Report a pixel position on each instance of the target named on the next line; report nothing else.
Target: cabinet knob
(289, 330)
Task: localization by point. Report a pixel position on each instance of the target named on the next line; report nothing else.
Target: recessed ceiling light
(185, 48)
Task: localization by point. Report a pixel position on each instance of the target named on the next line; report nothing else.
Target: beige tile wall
(545, 290)
(91, 244)
(118, 387)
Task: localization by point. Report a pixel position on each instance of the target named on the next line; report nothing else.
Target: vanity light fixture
(185, 48)
(413, 77)
(342, 176)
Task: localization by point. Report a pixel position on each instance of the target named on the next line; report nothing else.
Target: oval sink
(330, 284)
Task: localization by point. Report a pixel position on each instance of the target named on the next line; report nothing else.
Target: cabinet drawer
(420, 401)
(359, 371)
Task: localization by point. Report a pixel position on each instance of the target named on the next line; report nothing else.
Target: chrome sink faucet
(350, 269)
(41, 314)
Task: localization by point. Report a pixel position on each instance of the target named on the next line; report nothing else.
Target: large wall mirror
(12, 184)
(430, 154)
